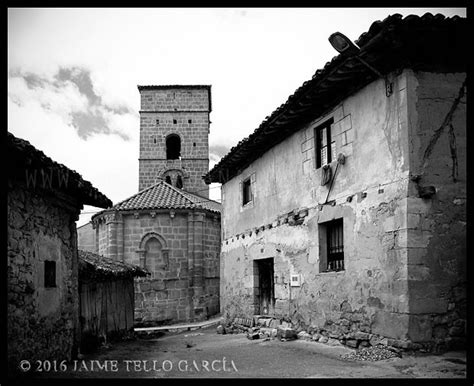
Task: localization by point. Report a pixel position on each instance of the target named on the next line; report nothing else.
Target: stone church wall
(185, 283)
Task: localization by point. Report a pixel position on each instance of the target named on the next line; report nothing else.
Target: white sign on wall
(295, 280)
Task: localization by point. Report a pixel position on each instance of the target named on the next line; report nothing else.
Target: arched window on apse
(168, 180)
(179, 182)
(153, 256)
(173, 146)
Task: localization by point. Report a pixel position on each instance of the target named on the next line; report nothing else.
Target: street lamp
(346, 47)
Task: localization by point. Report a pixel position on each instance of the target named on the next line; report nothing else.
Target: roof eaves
(106, 267)
(115, 207)
(25, 156)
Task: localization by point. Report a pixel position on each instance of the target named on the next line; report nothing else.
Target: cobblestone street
(206, 354)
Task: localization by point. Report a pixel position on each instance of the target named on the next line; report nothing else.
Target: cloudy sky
(73, 74)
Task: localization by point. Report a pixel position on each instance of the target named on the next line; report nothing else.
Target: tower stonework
(174, 136)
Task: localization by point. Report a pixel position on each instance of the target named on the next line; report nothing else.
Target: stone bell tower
(174, 136)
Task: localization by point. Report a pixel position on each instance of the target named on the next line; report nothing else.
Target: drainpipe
(289, 298)
(341, 159)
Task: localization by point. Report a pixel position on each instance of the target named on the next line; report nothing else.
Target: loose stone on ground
(371, 354)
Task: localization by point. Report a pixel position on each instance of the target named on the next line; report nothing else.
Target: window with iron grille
(325, 144)
(335, 245)
(331, 246)
(49, 274)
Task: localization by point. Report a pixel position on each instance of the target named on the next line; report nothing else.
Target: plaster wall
(286, 178)
(386, 239)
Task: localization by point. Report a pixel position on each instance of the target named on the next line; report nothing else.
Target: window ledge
(247, 205)
(332, 272)
(331, 164)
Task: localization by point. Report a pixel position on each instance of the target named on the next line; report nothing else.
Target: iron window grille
(335, 245)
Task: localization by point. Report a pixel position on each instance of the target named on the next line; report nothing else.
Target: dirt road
(204, 353)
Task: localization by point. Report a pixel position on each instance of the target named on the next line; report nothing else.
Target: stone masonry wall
(42, 322)
(436, 240)
(211, 267)
(186, 114)
(164, 297)
(175, 99)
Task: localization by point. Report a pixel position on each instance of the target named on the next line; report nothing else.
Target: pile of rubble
(260, 327)
(369, 346)
(372, 354)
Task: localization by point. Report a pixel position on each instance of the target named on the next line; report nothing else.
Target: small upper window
(190, 121)
(49, 274)
(325, 145)
(246, 191)
(157, 121)
(175, 121)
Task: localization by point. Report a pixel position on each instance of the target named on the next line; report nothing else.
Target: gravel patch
(371, 354)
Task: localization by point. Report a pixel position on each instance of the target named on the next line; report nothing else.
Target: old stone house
(106, 298)
(345, 210)
(44, 202)
(170, 227)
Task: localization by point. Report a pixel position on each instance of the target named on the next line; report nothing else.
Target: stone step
(189, 326)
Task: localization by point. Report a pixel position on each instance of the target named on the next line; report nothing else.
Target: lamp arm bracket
(388, 84)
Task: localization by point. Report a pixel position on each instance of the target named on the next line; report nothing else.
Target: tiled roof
(94, 266)
(427, 43)
(165, 196)
(25, 160)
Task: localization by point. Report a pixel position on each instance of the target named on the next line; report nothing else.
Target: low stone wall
(349, 332)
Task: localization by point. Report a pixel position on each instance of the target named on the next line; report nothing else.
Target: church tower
(174, 136)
